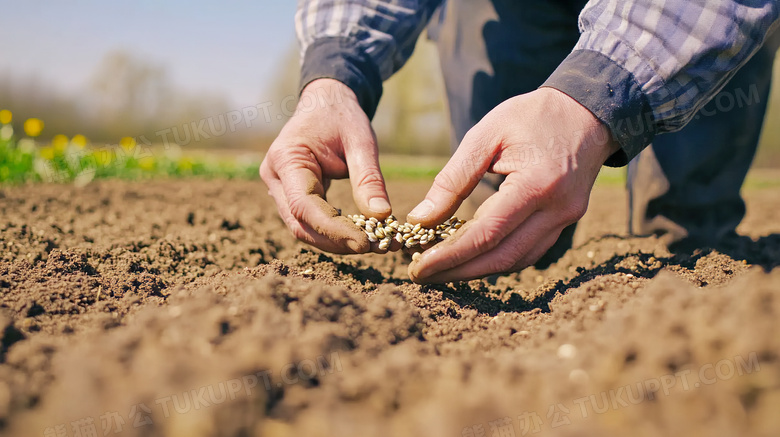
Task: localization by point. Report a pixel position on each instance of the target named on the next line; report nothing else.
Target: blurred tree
(283, 93)
(132, 96)
(412, 116)
(768, 154)
(127, 96)
(128, 91)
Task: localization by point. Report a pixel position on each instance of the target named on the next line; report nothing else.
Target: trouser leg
(491, 50)
(686, 185)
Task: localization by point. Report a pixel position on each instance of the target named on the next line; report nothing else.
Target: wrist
(340, 58)
(613, 95)
(592, 136)
(325, 93)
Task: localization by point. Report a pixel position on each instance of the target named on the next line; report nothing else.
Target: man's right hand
(328, 137)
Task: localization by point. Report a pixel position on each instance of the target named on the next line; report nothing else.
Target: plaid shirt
(641, 66)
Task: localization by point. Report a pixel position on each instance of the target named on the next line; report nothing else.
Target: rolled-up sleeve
(359, 42)
(645, 67)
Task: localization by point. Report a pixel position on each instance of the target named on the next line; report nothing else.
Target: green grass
(757, 178)
(611, 176)
(24, 161)
(411, 167)
(762, 178)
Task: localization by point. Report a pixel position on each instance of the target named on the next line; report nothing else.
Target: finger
(499, 215)
(335, 233)
(368, 184)
(395, 245)
(455, 181)
(518, 250)
(326, 186)
(302, 231)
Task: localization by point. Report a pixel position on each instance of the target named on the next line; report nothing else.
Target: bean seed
(384, 231)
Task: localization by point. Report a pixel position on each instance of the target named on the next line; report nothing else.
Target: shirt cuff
(613, 95)
(340, 59)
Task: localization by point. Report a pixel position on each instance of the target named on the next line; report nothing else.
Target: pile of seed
(384, 231)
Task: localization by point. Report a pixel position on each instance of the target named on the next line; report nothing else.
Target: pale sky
(232, 47)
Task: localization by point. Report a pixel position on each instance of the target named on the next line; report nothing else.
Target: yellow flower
(79, 141)
(47, 153)
(60, 143)
(6, 116)
(127, 143)
(103, 157)
(185, 164)
(146, 163)
(33, 127)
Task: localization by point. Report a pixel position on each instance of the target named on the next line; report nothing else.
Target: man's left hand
(550, 148)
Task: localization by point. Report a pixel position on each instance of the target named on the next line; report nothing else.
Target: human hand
(328, 137)
(515, 226)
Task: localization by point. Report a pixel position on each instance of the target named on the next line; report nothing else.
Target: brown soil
(185, 308)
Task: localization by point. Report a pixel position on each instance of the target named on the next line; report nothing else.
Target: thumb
(454, 182)
(368, 184)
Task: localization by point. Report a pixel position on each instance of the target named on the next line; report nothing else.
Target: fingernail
(423, 209)
(378, 204)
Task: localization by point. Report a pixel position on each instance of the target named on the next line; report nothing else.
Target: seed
(384, 231)
(415, 256)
